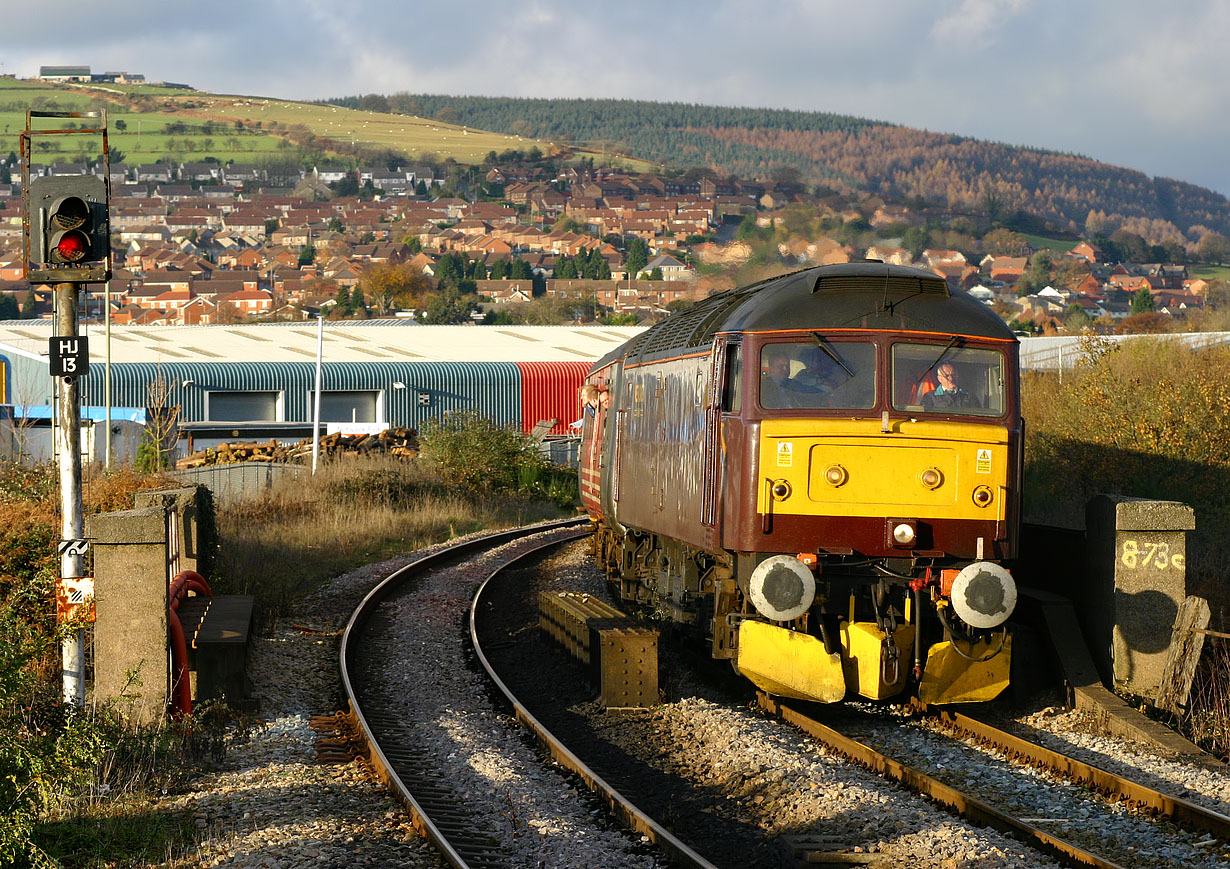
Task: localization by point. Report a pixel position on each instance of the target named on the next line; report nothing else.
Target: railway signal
(68, 229)
(67, 242)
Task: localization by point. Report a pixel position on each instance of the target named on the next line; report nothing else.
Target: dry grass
(1149, 419)
(351, 513)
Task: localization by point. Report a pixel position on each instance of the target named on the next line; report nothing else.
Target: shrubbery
(1145, 418)
(48, 756)
(474, 452)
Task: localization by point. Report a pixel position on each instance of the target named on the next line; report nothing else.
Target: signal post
(67, 242)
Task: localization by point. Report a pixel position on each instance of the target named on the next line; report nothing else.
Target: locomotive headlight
(836, 475)
(983, 496)
(904, 533)
(931, 478)
(780, 490)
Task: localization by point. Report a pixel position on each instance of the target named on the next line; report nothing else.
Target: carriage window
(932, 378)
(818, 375)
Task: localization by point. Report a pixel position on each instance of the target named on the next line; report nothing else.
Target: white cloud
(975, 23)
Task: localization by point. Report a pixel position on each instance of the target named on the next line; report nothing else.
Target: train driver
(816, 380)
(949, 392)
(775, 377)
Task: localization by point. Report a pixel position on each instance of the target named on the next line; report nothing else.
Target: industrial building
(257, 381)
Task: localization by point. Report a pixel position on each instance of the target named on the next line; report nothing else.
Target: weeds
(364, 509)
(1207, 722)
(1145, 418)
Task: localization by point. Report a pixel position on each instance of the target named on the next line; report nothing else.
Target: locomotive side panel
(661, 443)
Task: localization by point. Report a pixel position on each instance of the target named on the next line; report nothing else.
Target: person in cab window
(775, 391)
(949, 392)
(815, 381)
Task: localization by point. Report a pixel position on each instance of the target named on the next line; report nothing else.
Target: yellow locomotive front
(887, 467)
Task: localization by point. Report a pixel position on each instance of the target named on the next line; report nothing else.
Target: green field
(1210, 273)
(1059, 246)
(244, 129)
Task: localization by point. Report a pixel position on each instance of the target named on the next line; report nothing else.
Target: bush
(45, 752)
(48, 756)
(1145, 418)
(473, 451)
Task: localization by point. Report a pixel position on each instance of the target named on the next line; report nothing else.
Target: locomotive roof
(866, 295)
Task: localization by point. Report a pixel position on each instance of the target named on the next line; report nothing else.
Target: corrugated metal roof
(428, 389)
(549, 391)
(344, 342)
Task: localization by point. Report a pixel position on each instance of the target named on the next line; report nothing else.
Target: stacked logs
(400, 441)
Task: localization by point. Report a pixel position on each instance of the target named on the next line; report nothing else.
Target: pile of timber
(400, 441)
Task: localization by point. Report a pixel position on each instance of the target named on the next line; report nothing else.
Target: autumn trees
(388, 287)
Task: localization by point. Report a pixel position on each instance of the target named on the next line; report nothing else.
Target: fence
(562, 451)
(238, 481)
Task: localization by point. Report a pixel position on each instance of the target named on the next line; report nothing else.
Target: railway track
(1127, 802)
(422, 774)
(705, 817)
(621, 805)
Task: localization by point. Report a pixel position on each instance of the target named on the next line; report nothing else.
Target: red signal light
(70, 247)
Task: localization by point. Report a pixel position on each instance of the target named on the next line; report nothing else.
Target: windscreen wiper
(831, 353)
(943, 353)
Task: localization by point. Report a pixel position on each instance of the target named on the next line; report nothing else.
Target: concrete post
(1137, 579)
(130, 592)
(194, 511)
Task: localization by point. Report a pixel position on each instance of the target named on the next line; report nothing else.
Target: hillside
(841, 152)
(150, 123)
(845, 153)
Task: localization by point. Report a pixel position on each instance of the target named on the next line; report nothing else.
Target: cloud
(976, 23)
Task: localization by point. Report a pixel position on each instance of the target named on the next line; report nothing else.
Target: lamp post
(320, 352)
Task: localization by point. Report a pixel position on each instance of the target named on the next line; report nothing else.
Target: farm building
(249, 381)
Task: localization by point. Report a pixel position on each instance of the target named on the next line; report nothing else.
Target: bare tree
(161, 424)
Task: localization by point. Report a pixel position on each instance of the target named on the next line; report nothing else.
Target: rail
(628, 813)
(423, 816)
(920, 782)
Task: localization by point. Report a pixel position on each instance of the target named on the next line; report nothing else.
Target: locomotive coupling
(782, 588)
(983, 595)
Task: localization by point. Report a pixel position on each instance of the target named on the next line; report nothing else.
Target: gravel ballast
(273, 805)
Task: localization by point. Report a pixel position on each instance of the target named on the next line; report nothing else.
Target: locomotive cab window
(732, 391)
(818, 374)
(931, 378)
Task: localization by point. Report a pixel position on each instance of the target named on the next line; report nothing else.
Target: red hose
(181, 695)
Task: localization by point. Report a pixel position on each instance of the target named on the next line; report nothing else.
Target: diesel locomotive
(820, 474)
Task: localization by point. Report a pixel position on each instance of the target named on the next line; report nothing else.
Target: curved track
(623, 808)
(416, 781)
(461, 835)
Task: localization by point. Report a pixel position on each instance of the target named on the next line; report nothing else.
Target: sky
(1134, 83)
